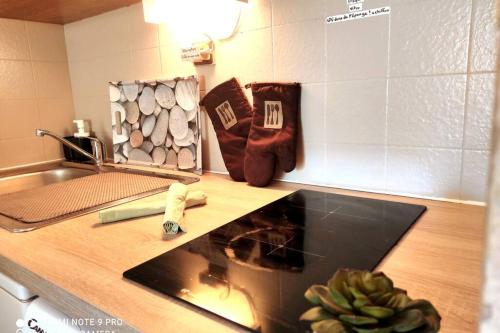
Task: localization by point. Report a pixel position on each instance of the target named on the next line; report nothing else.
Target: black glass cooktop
(254, 271)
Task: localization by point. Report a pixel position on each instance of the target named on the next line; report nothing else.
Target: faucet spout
(98, 149)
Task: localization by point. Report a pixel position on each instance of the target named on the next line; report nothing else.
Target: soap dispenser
(82, 140)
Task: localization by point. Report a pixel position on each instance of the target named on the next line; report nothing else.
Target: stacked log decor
(157, 123)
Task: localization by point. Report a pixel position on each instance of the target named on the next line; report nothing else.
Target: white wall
(398, 103)
(35, 91)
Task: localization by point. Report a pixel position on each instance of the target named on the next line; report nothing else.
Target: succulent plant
(363, 302)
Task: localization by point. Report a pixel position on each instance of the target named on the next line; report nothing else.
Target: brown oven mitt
(273, 134)
(231, 116)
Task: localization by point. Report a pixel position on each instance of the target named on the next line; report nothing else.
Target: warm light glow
(190, 19)
(232, 304)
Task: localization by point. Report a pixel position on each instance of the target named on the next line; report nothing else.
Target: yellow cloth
(148, 206)
(174, 211)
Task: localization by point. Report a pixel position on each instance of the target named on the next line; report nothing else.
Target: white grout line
(466, 97)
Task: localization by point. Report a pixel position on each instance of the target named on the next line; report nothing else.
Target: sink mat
(56, 200)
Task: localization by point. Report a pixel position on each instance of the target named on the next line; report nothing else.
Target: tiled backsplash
(398, 103)
(35, 91)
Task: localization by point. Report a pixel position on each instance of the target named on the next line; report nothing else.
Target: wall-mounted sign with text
(358, 14)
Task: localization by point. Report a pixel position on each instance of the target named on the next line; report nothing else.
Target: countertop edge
(62, 300)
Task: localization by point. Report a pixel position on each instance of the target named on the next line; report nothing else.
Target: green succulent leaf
(312, 295)
(340, 299)
(382, 282)
(407, 321)
(358, 320)
(323, 296)
(369, 285)
(431, 316)
(329, 326)
(354, 280)
(377, 311)
(338, 283)
(382, 300)
(359, 303)
(316, 314)
(357, 294)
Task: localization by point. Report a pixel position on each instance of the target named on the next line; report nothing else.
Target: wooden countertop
(78, 264)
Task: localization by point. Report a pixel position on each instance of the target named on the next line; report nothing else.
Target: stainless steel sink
(30, 180)
(49, 174)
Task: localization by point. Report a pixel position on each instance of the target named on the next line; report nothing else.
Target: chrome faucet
(98, 147)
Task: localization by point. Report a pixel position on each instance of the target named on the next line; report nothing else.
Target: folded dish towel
(177, 198)
(148, 206)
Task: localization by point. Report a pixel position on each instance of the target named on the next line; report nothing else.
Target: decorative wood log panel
(117, 107)
(185, 159)
(159, 155)
(186, 94)
(160, 131)
(136, 139)
(131, 91)
(147, 146)
(132, 111)
(114, 93)
(138, 155)
(147, 101)
(165, 96)
(160, 123)
(186, 141)
(148, 125)
(178, 124)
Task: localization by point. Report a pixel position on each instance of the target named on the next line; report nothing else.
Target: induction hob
(254, 271)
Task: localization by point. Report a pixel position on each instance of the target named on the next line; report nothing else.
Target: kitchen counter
(78, 264)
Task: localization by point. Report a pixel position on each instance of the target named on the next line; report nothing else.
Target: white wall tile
(424, 171)
(291, 11)
(116, 67)
(146, 64)
(312, 112)
(17, 79)
(46, 41)
(83, 78)
(96, 109)
(358, 49)
(356, 112)
(311, 164)
(426, 111)
(19, 118)
(211, 154)
(109, 33)
(56, 115)
(52, 79)
(14, 43)
(33, 70)
(172, 64)
(256, 14)
(484, 49)
(479, 113)
(31, 148)
(299, 52)
(142, 35)
(356, 166)
(79, 41)
(475, 175)
(240, 57)
(429, 37)
(343, 123)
